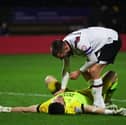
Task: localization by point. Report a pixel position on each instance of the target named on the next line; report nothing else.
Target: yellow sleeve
(44, 106)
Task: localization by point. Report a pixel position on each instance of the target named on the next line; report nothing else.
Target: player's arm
(65, 72)
(65, 75)
(87, 49)
(92, 59)
(96, 110)
(32, 108)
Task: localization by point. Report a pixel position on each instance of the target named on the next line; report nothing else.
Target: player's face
(64, 52)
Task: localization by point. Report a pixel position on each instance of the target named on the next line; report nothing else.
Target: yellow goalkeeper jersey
(73, 101)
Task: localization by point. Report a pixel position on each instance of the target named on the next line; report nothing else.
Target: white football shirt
(87, 40)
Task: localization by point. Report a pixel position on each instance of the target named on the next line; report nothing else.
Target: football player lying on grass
(74, 102)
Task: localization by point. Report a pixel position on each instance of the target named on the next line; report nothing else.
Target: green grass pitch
(22, 83)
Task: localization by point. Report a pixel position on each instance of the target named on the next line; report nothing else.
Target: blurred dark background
(56, 17)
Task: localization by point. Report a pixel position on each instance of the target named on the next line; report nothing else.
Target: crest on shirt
(83, 47)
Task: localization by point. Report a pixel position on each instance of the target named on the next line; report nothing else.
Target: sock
(5, 109)
(107, 111)
(97, 93)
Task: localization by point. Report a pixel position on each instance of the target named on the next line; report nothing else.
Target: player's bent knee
(110, 76)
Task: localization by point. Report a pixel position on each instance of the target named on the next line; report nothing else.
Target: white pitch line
(43, 95)
(119, 100)
(24, 94)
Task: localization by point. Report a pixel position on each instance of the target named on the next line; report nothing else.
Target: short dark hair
(56, 47)
(56, 108)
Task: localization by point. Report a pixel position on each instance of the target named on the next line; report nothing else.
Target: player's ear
(66, 46)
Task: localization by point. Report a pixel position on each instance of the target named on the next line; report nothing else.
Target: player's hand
(74, 75)
(60, 91)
